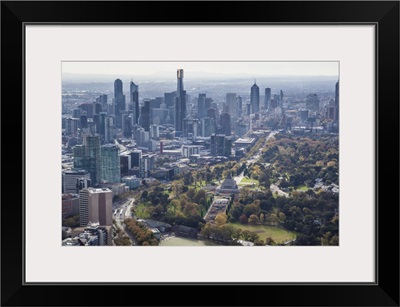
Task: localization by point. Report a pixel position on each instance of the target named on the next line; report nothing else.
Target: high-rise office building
(239, 106)
(87, 157)
(180, 104)
(255, 98)
(281, 98)
(72, 125)
(134, 102)
(69, 179)
(126, 125)
(110, 164)
(95, 206)
(267, 102)
(207, 126)
(145, 119)
(109, 129)
(92, 151)
(103, 101)
(225, 124)
(231, 102)
(201, 106)
(337, 101)
(221, 145)
(169, 99)
(119, 100)
(136, 158)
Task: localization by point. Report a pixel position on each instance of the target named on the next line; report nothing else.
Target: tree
(220, 219)
(187, 180)
(243, 219)
(191, 193)
(269, 241)
(199, 195)
(251, 209)
(282, 216)
(144, 195)
(262, 217)
(72, 221)
(258, 242)
(253, 219)
(237, 211)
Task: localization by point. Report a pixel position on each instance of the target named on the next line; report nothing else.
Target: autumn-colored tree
(220, 219)
(253, 219)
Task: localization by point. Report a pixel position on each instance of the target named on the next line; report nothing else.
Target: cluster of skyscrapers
(109, 147)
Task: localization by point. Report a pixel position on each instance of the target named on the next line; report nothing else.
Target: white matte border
(48, 261)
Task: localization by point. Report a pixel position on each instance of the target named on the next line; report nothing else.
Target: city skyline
(209, 163)
(198, 70)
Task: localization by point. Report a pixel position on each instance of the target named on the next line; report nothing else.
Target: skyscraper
(134, 102)
(110, 164)
(267, 98)
(95, 205)
(180, 104)
(102, 99)
(109, 129)
(119, 98)
(232, 104)
(255, 98)
(92, 151)
(225, 123)
(281, 98)
(145, 115)
(220, 145)
(201, 106)
(337, 101)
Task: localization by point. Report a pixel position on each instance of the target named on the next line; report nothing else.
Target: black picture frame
(383, 14)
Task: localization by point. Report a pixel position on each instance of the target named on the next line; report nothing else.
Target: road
(126, 212)
(255, 158)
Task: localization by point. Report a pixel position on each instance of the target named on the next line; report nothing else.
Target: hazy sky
(224, 68)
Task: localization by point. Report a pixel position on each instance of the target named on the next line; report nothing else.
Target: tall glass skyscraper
(92, 148)
(267, 98)
(119, 98)
(231, 102)
(180, 104)
(255, 98)
(87, 157)
(337, 101)
(145, 118)
(134, 102)
(110, 168)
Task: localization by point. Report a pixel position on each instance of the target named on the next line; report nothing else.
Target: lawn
(279, 235)
(247, 181)
(140, 212)
(302, 188)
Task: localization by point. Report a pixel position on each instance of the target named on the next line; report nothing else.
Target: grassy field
(247, 181)
(302, 188)
(277, 234)
(140, 212)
